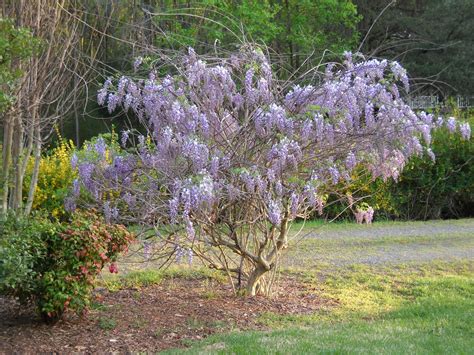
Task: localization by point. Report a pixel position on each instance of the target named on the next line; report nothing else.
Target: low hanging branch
(231, 158)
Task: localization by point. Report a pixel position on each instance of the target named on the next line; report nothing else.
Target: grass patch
(148, 277)
(97, 306)
(195, 323)
(139, 323)
(423, 309)
(107, 323)
(342, 244)
(323, 225)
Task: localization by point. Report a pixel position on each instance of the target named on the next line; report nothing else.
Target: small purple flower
(249, 181)
(112, 102)
(214, 166)
(439, 122)
(110, 213)
(351, 161)
(85, 172)
(274, 213)
(102, 93)
(124, 138)
(400, 73)
(76, 187)
(232, 192)
(74, 160)
(451, 124)
(465, 130)
(100, 147)
(128, 101)
(261, 184)
(279, 188)
(426, 132)
(129, 199)
(136, 64)
(335, 175)
(190, 229)
(431, 154)
(250, 93)
(295, 200)
(101, 96)
(179, 253)
(369, 215)
(70, 204)
(173, 206)
(271, 175)
(310, 194)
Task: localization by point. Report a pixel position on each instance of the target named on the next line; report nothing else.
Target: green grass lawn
(341, 244)
(424, 310)
(392, 287)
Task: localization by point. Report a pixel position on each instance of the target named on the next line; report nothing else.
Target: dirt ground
(154, 318)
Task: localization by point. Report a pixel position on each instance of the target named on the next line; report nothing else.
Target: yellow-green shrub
(54, 181)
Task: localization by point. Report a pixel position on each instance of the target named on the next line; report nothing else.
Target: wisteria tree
(231, 157)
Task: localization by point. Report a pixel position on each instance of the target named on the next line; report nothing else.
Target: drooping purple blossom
(100, 147)
(400, 73)
(351, 161)
(334, 173)
(431, 155)
(274, 212)
(124, 138)
(451, 124)
(294, 204)
(129, 199)
(179, 253)
(110, 212)
(85, 173)
(113, 101)
(70, 204)
(103, 92)
(465, 130)
(136, 64)
(76, 188)
(74, 160)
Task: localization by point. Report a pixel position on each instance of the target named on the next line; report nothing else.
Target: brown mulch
(154, 318)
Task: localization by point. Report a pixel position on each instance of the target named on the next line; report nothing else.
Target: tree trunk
(76, 114)
(7, 152)
(17, 165)
(254, 283)
(34, 176)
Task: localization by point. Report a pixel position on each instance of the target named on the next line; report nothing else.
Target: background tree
(431, 38)
(16, 45)
(50, 85)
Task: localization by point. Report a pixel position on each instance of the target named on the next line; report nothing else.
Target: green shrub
(22, 251)
(425, 190)
(54, 181)
(54, 265)
(440, 189)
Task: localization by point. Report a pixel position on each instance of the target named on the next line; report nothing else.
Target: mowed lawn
(397, 288)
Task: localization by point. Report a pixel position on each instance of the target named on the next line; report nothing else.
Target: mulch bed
(154, 318)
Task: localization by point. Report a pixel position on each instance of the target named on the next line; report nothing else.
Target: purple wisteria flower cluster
(230, 151)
